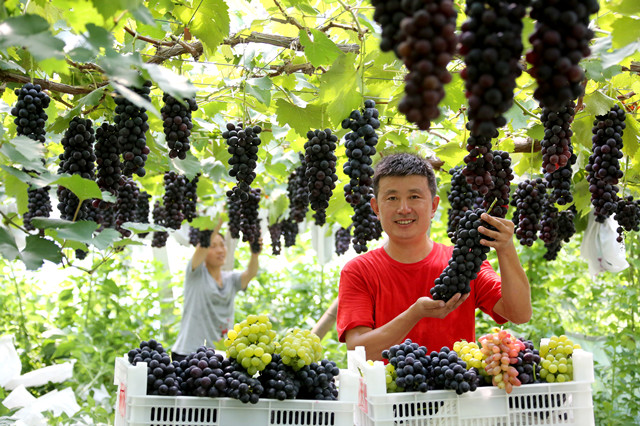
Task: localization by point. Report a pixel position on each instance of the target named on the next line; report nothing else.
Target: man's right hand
(429, 308)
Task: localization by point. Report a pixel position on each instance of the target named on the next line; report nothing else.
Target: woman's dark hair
(404, 164)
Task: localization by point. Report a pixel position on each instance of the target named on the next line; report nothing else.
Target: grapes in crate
(163, 375)
(317, 381)
(412, 366)
(501, 351)
(556, 362)
(251, 343)
(299, 348)
(450, 372)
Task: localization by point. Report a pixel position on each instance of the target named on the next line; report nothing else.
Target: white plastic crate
(567, 403)
(135, 408)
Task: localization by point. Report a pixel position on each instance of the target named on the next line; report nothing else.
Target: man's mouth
(404, 221)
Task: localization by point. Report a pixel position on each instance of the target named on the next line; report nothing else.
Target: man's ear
(374, 206)
(434, 205)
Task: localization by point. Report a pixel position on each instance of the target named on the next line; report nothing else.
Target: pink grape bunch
(501, 351)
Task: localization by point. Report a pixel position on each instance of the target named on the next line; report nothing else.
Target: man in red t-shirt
(384, 294)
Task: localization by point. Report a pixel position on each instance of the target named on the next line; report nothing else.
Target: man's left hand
(503, 234)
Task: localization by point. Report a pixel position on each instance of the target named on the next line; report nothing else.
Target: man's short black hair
(404, 164)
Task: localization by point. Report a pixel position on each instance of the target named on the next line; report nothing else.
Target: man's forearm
(379, 339)
(516, 293)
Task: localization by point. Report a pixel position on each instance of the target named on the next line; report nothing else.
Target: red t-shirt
(374, 289)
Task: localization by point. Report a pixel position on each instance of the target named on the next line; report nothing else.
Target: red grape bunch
(502, 176)
(108, 165)
(127, 205)
(366, 226)
(275, 231)
(175, 188)
(234, 213)
(159, 238)
(360, 144)
(566, 229)
(30, 117)
(491, 45)
(342, 239)
(177, 124)
(191, 198)
(556, 144)
(389, 14)
(428, 45)
(466, 258)
(243, 146)
(289, 232)
(320, 172)
(529, 201)
(461, 198)
(78, 158)
(549, 221)
(249, 220)
(142, 210)
(560, 41)
(131, 121)
(298, 191)
(479, 162)
(627, 215)
(603, 169)
(38, 205)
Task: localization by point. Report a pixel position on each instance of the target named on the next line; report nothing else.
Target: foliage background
(326, 63)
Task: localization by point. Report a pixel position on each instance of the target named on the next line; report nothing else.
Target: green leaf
(15, 187)
(206, 19)
(38, 250)
(625, 30)
(8, 246)
(127, 242)
(321, 50)
(189, 167)
(630, 136)
(170, 82)
(204, 222)
(26, 152)
(626, 7)
(451, 153)
(108, 9)
(300, 119)
(597, 103)
(78, 231)
(582, 131)
(99, 37)
(340, 89)
(279, 202)
(142, 14)
(617, 56)
(105, 238)
(260, 88)
(141, 228)
(4, 65)
(88, 101)
(84, 189)
(536, 132)
(32, 33)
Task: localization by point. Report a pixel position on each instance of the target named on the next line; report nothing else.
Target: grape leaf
(84, 189)
(8, 246)
(32, 33)
(451, 153)
(88, 101)
(206, 19)
(321, 50)
(597, 103)
(38, 250)
(26, 152)
(630, 136)
(625, 30)
(15, 187)
(301, 120)
(105, 238)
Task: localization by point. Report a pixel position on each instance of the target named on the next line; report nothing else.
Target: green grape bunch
(252, 343)
(299, 348)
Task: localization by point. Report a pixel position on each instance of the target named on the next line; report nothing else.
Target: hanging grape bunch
(560, 41)
(555, 145)
(466, 258)
(320, 171)
(603, 168)
(243, 146)
(366, 226)
(38, 205)
(343, 240)
(289, 232)
(142, 210)
(159, 238)
(78, 158)
(234, 212)
(173, 199)
(109, 168)
(491, 45)
(628, 216)
(191, 198)
(389, 14)
(549, 221)
(360, 144)
(177, 124)
(528, 200)
(127, 205)
(131, 122)
(298, 191)
(275, 231)
(461, 198)
(566, 229)
(502, 176)
(479, 162)
(30, 117)
(428, 45)
(194, 235)
(249, 220)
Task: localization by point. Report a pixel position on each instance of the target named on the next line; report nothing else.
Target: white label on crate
(122, 400)
(362, 396)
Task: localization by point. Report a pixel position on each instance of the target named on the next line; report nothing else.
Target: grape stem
(525, 110)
